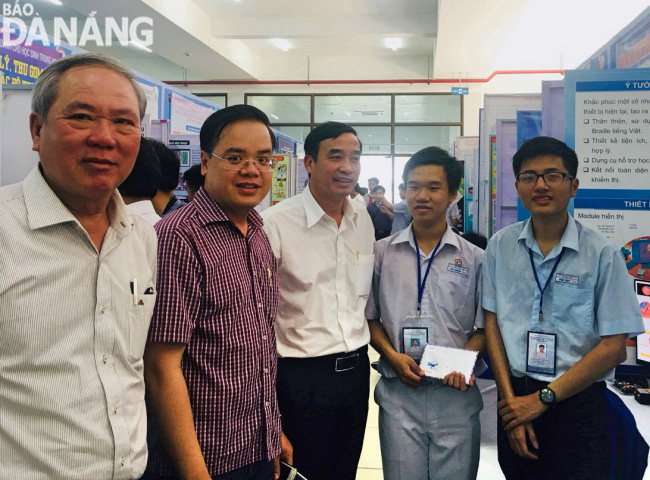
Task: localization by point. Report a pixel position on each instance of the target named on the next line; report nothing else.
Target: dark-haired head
(323, 132)
(193, 181)
(540, 146)
(170, 166)
(144, 179)
(436, 156)
(215, 124)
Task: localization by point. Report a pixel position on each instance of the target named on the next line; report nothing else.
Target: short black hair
(373, 180)
(193, 178)
(476, 239)
(377, 188)
(170, 166)
(538, 146)
(401, 187)
(215, 123)
(145, 177)
(436, 156)
(326, 131)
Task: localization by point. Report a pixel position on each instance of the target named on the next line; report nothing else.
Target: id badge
(541, 353)
(415, 335)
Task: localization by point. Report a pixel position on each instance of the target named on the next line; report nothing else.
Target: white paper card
(438, 361)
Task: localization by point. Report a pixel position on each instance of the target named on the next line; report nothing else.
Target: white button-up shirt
(72, 337)
(325, 274)
(145, 209)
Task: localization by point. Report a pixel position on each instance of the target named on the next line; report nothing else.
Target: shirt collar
(569, 237)
(448, 238)
(315, 212)
(209, 211)
(44, 208)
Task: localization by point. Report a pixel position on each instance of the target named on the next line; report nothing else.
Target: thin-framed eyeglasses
(237, 162)
(550, 178)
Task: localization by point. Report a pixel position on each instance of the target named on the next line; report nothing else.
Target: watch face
(547, 395)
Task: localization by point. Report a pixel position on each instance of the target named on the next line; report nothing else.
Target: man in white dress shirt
(142, 183)
(77, 284)
(323, 241)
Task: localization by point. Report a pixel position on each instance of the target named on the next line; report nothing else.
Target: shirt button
(104, 359)
(267, 403)
(123, 461)
(263, 337)
(103, 309)
(115, 409)
(266, 370)
(259, 305)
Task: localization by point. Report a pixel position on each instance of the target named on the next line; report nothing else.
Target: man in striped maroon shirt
(210, 364)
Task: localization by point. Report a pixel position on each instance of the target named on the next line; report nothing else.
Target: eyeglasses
(550, 178)
(237, 162)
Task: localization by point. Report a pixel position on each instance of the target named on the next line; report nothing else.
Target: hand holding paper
(438, 361)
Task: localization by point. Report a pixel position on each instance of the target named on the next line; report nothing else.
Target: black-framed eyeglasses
(237, 162)
(550, 178)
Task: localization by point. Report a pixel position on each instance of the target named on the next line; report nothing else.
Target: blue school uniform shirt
(589, 296)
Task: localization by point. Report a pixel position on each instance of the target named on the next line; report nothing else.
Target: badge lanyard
(548, 280)
(422, 282)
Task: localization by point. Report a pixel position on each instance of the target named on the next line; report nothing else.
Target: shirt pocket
(451, 291)
(573, 308)
(365, 267)
(139, 320)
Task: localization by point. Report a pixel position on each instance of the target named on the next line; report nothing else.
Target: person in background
(170, 165)
(323, 242)
(358, 193)
(402, 217)
(78, 283)
(427, 429)
(476, 239)
(210, 363)
(193, 181)
(381, 214)
(453, 214)
(142, 183)
(372, 183)
(550, 280)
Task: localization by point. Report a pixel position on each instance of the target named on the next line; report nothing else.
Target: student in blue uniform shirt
(426, 289)
(552, 281)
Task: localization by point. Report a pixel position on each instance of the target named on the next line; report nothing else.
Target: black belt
(342, 362)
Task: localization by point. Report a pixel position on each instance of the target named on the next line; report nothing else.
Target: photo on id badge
(414, 339)
(541, 353)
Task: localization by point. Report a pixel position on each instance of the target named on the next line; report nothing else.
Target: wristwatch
(547, 396)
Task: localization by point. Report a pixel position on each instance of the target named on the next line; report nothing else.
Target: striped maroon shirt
(218, 294)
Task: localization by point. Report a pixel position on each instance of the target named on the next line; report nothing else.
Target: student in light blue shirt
(551, 281)
(425, 289)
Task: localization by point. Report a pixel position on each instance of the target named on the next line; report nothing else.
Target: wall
(16, 155)
(472, 102)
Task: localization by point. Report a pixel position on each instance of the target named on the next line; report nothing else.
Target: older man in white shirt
(77, 285)
(323, 241)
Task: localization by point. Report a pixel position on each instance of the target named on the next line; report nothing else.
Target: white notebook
(438, 361)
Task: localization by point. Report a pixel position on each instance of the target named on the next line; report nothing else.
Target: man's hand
(406, 369)
(286, 455)
(517, 438)
(457, 380)
(515, 411)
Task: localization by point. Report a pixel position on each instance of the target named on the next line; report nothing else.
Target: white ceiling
(345, 39)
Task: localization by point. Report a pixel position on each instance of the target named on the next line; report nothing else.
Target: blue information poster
(608, 124)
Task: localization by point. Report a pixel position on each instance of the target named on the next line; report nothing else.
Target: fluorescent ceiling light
(275, 116)
(56, 2)
(393, 43)
(281, 43)
(140, 46)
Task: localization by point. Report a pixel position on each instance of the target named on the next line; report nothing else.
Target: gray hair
(47, 85)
